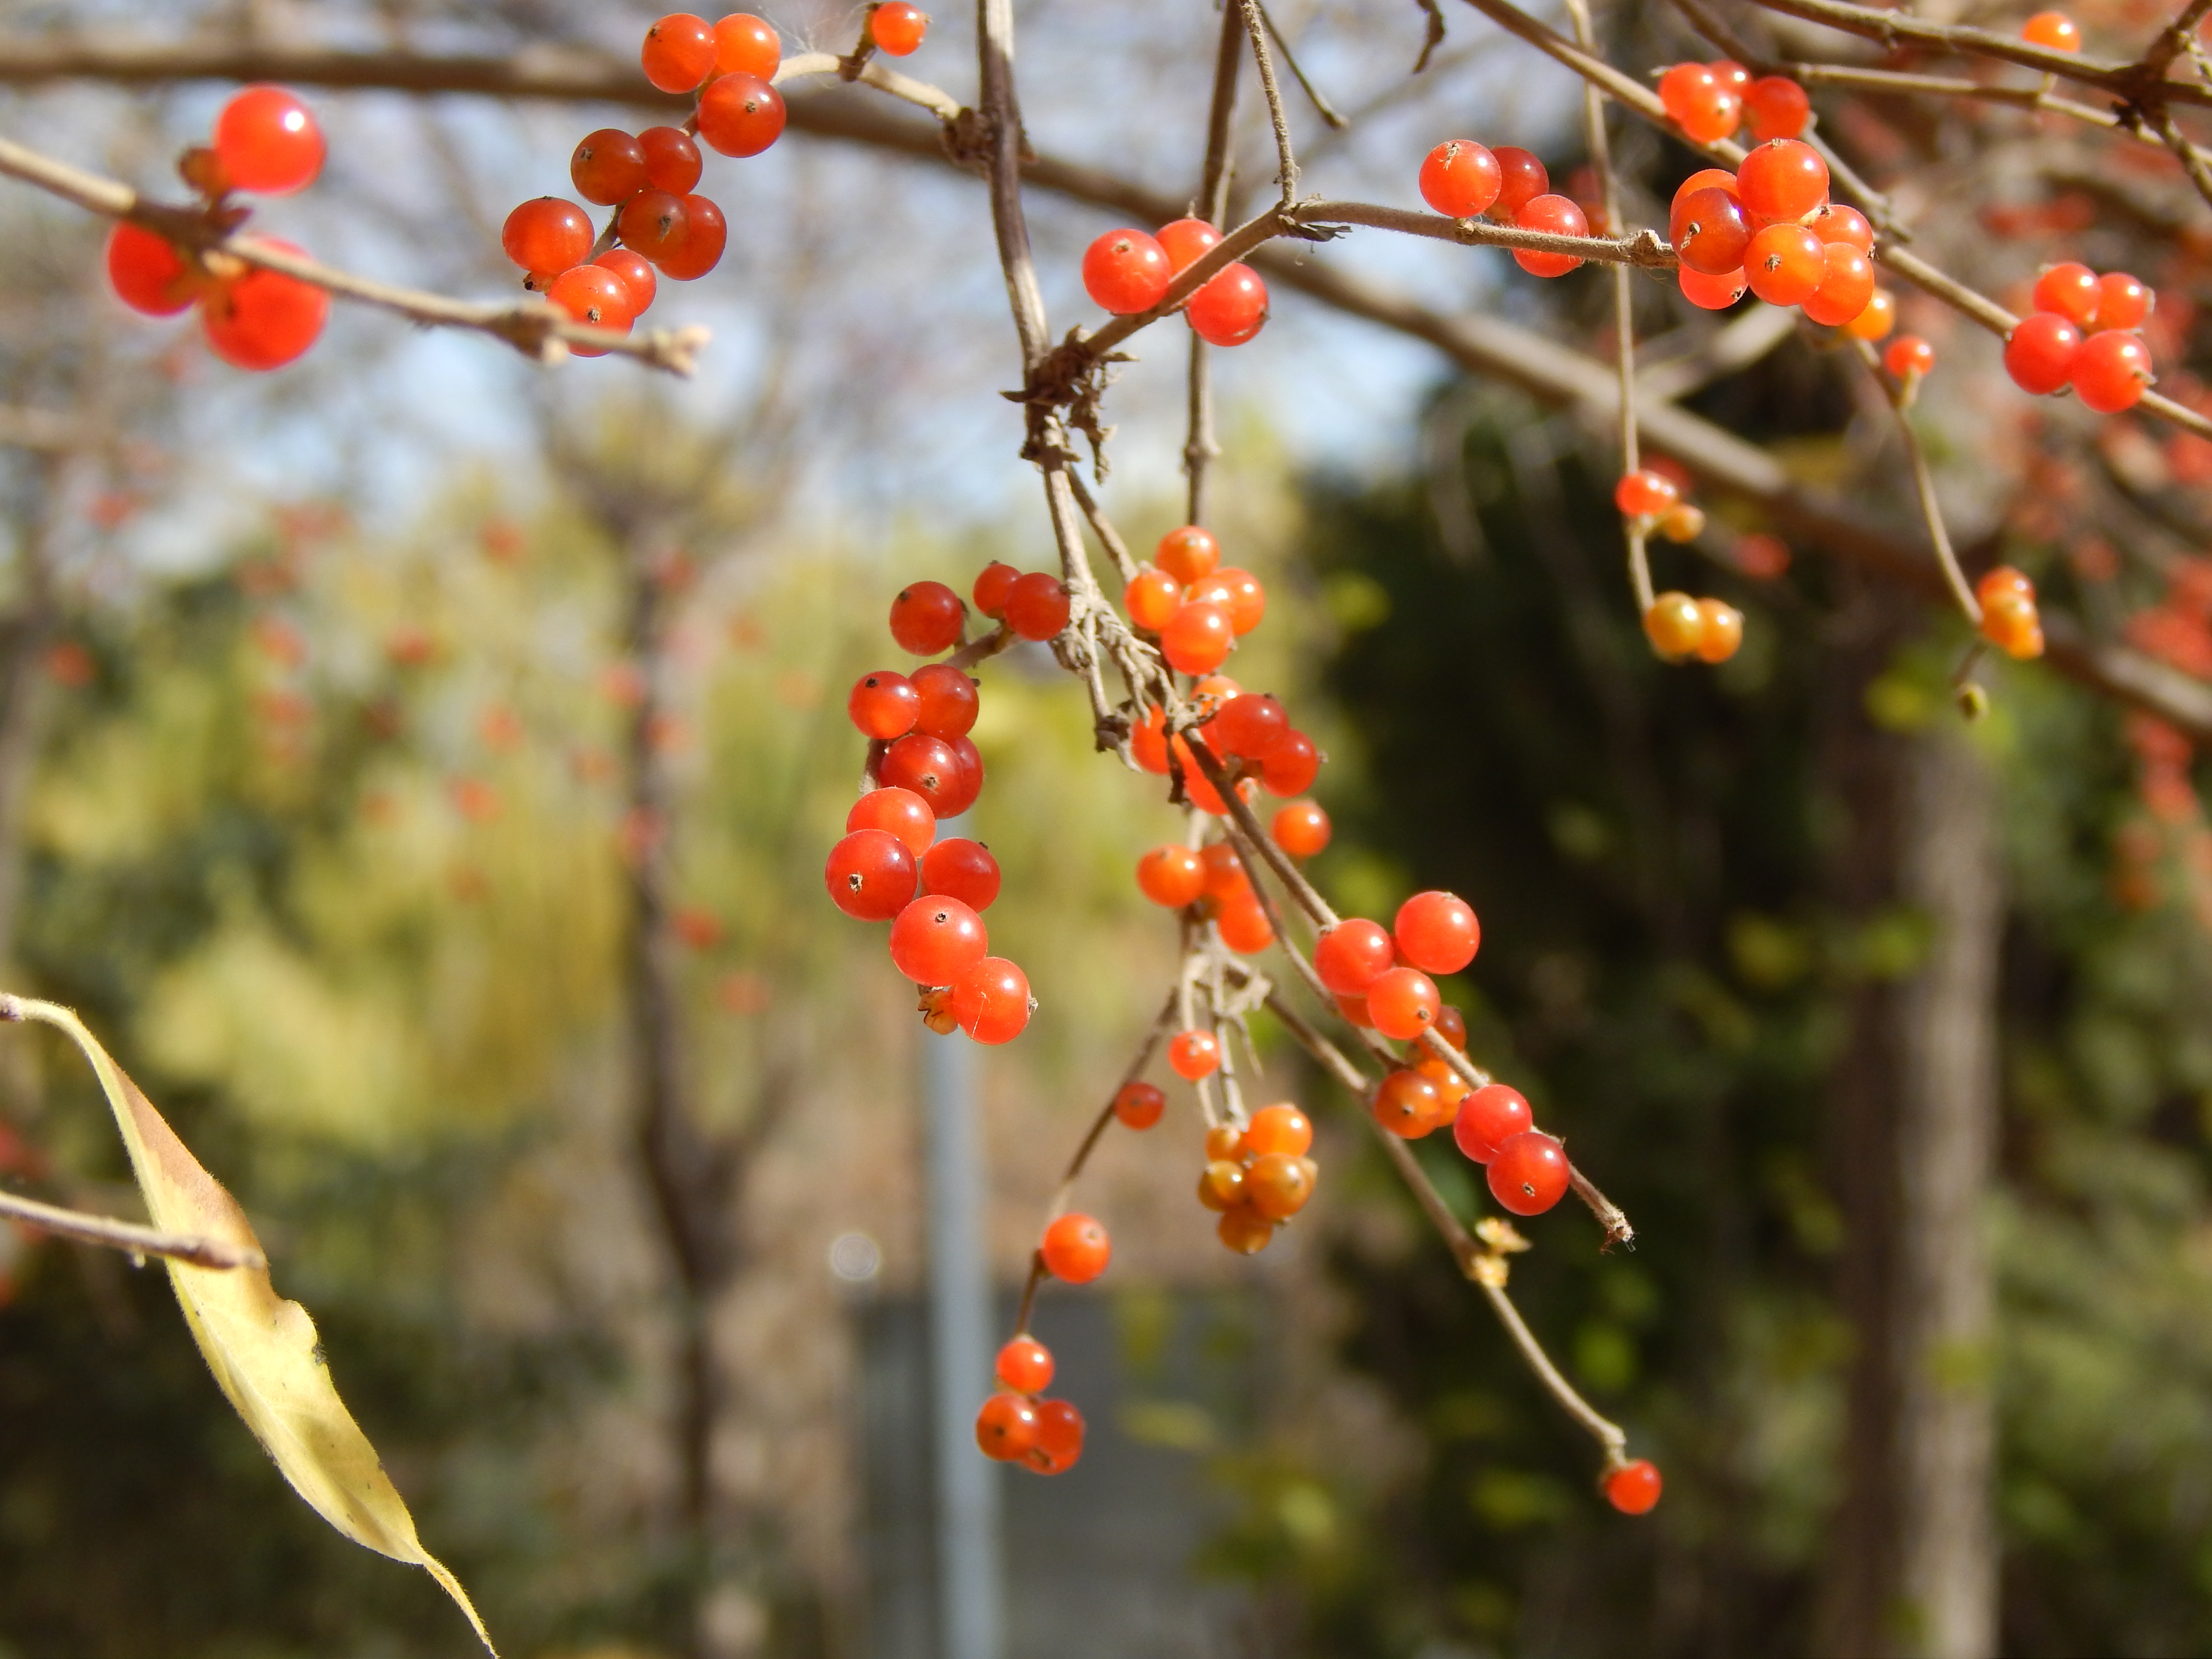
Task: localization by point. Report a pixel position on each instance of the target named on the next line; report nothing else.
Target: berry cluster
(1258, 1176)
(890, 865)
(2082, 335)
(1017, 1426)
(1463, 179)
(1127, 271)
(1709, 102)
(2009, 619)
(1770, 227)
(1678, 626)
(660, 223)
(265, 142)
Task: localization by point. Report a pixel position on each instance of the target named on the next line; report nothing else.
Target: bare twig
(129, 1236)
(1286, 162)
(1199, 448)
(1321, 107)
(1923, 484)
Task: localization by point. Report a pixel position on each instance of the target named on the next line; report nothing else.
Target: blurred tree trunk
(1911, 1569)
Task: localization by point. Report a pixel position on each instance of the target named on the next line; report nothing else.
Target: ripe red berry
(1908, 353)
(1846, 285)
(1403, 1003)
(1301, 828)
(897, 27)
(1704, 104)
(1007, 1427)
(1230, 308)
(1875, 321)
(636, 276)
(1193, 1054)
(870, 874)
(1126, 272)
(1704, 178)
(1188, 553)
(1171, 875)
(1186, 241)
(1407, 1103)
(705, 233)
(1036, 605)
(1559, 216)
(1279, 1128)
(1059, 1438)
(1836, 222)
(928, 767)
(961, 869)
(1148, 742)
(1290, 767)
(1711, 231)
(1711, 292)
(268, 142)
(608, 167)
(147, 272)
(991, 1001)
(936, 939)
(653, 223)
(678, 51)
(2068, 290)
(1352, 955)
(2110, 371)
(1521, 179)
(1451, 1026)
(1437, 932)
(992, 583)
(1488, 1118)
(672, 161)
(593, 293)
(1530, 1173)
(263, 319)
(1246, 597)
(1025, 1366)
(1151, 598)
(1633, 1488)
(1138, 1104)
(745, 45)
(1733, 74)
(2039, 353)
(1645, 494)
(1460, 178)
(2123, 302)
(969, 784)
(1197, 637)
(1782, 180)
(2054, 29)
(901, 812)
(740, 114)
(1248, 725)
(948, 701)
(1225, 875)
(1076, 1249)
(1777, 106)
(1243, 925)
(547, 235)
(1784, 264)
(1278, 1184)
(925, 618)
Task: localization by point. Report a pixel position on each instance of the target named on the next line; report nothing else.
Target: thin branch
(1286, 163)
(1103, 527)
(1199, 447)
(1923, 484)
(1470, 1256)
(1321, 105)
(531, 326)
(128, 1236)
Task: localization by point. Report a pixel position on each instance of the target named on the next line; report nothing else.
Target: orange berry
(1723, 630)
(1674, 624)
(1025, 1365)
(1221, 1184)
(1188, 553)
(1195, 1055)
(2053, 29)
(1007, 1427)
(1406, 1102)
(1301, 828)
(1076, 1249)
(1172, 876)
(1151, 597)
(1876, 319)
(1138, 1104)
(1278, 1184)
(1279, 1128)
(1245, 1231)
(1226, 1140)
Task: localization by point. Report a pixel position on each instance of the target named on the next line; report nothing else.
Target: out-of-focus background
(418, 767)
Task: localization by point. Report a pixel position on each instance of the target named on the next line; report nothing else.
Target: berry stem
(1286, 163)
(1923, 484)
(1199, 449)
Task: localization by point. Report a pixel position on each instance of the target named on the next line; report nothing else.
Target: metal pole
(970, 1591)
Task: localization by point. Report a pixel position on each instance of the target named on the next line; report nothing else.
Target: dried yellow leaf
(262, 1349)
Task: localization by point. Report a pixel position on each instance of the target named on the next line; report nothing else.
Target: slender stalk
(1286, 162)
(129, 1236)
(1199, 447)
(1923, 484)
